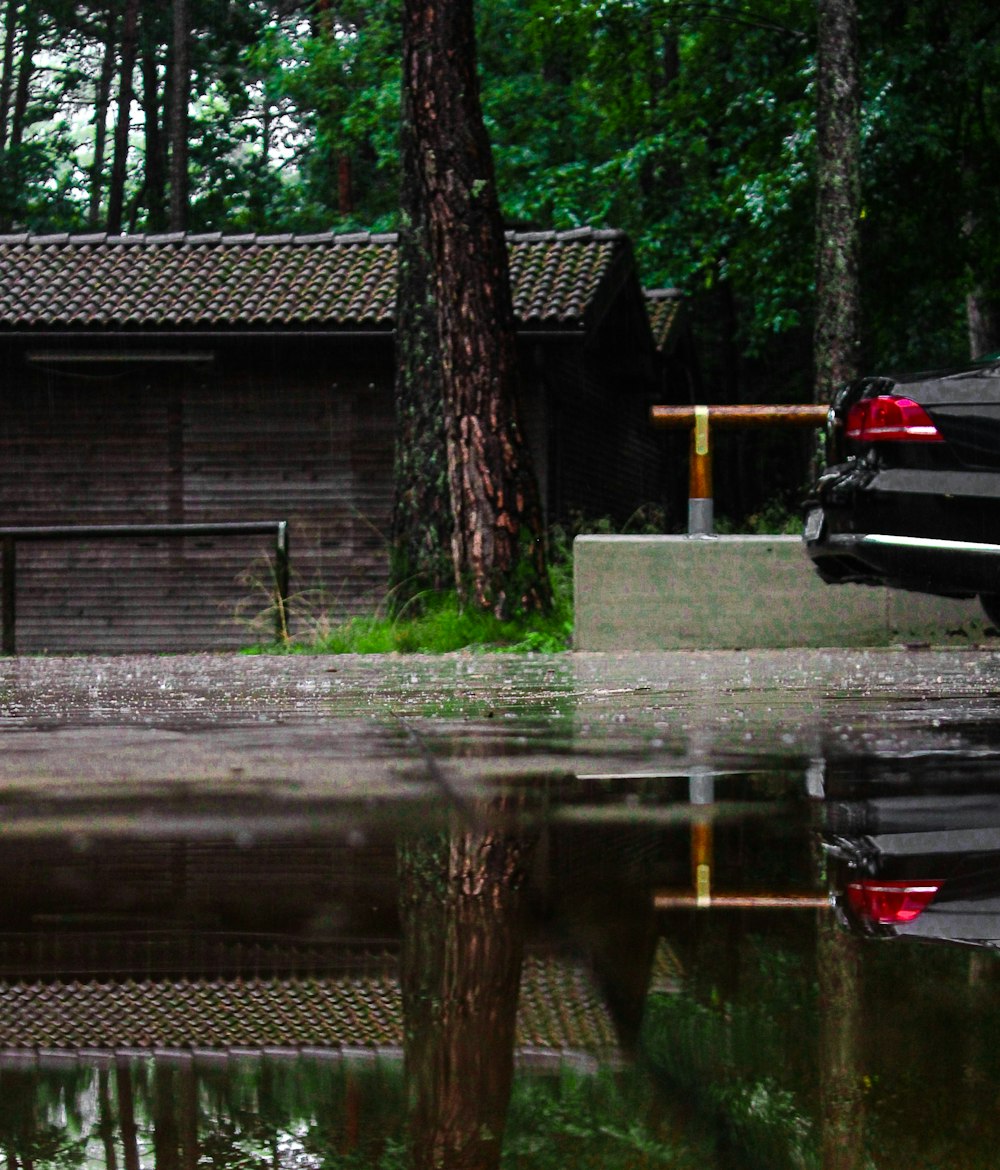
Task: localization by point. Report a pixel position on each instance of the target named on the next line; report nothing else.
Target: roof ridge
(248, 239)
(193, 239)
(563, 235)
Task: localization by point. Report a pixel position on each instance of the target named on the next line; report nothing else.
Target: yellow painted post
(701, 506)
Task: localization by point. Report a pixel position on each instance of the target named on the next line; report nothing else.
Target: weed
(775, 518)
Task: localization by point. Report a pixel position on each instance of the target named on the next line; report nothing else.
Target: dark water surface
(717, 910)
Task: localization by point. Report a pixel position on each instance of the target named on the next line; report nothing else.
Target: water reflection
(532, 981)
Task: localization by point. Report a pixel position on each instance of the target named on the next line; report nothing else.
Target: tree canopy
(688, 123)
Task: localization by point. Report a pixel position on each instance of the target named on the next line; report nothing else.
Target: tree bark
(102, 103)
(180, 93)
(497, 541)
(119, 166)
(166, 1132)
(422, 522)
(26, 68)
(836, 340)
(7, 69)
(463, 941)
(126, 1114)
(841, 1102)
(156, 179)
(105, 1123)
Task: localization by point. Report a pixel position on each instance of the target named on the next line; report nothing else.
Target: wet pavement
(341, 727)
(718, 909)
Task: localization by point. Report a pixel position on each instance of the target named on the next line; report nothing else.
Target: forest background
(690, 124)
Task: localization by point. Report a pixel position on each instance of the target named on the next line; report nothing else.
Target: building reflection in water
(676, 986)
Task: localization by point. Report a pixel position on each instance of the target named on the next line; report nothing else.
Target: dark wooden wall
(258, 433)
(587, 417)
(299, 431)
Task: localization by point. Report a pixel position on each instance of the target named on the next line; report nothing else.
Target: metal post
(8, 590)
(281, 581)
(701, 506)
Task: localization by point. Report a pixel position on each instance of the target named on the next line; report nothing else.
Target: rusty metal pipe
(700, 419)
(733, 417)
(694, 900)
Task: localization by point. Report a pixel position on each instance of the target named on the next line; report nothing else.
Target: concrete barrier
(735, 592)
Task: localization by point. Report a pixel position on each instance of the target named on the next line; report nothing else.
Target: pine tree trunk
(983, 316)
(126, 1114)
(105, 1121)
(497, 539)
(838, 197)
(422, 523)
(179, 96)
(156, 179)
(26, 69)
(842, 1113)
(102, 103)
(7, 72)
(119, 167)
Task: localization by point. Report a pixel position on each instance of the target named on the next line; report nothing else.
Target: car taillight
(887, 419)
(891, 903)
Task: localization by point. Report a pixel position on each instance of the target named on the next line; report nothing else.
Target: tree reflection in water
(461, 901)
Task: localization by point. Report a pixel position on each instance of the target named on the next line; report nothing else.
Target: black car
(911, 494)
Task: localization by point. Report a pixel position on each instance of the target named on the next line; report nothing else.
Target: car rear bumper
(926, 531)
(952, 568)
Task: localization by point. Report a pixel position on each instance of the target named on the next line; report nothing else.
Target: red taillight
(886, 419)
(891, 903)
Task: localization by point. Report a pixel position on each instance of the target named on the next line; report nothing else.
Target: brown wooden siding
(263, 433)
(276, 439)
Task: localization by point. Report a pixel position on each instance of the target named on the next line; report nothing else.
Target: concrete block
(741, 592)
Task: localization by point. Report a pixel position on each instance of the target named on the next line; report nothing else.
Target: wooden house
(211, 379)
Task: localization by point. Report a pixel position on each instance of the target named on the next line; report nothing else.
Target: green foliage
(741, 1061)
(604, 1122)
(777, 517)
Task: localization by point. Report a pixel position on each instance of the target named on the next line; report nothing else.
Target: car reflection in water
(911, 496)
(916, 851)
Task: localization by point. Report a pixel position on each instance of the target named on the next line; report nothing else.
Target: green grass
(437, 624)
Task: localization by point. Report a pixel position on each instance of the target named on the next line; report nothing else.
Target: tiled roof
(662, 305)
(274, 282)
(559, 1013)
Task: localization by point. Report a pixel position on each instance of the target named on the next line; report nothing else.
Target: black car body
(911, 495)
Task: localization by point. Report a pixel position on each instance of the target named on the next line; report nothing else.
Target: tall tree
(180, 95)
(838, 196)
(119, 166)
(102, 102)
(154, 178)
(7, 67)
(497, 542)
(423, 524)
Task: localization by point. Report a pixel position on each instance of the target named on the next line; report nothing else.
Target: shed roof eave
(104, 333)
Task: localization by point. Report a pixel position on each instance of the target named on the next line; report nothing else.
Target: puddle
(524, 916)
